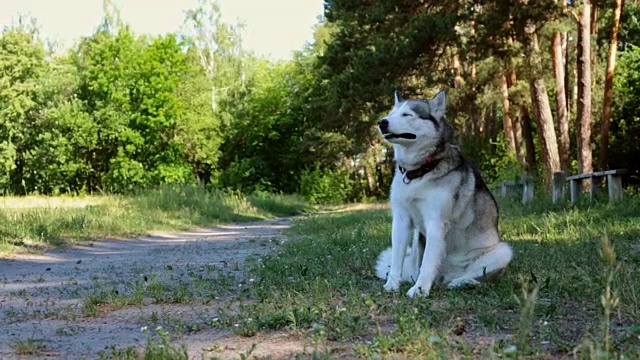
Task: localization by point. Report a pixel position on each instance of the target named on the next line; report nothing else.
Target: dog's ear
(438, 104)
(397, 98)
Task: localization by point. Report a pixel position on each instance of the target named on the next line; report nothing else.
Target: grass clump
(28, 223)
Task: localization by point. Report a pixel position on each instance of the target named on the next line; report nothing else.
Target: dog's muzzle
(384, 126)
(384, 129)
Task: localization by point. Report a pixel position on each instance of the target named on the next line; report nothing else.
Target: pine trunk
(517, 124)
(527, 136)
(507, 123)
(567, 80)
(585, 160)
(542, 110)
(457, 71)
(561, 101)
(608, 86)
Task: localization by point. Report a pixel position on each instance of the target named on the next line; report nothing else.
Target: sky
(274, 28)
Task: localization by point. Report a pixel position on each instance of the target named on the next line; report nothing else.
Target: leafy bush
(326, 186)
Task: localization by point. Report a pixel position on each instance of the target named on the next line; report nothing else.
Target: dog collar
(429, 164)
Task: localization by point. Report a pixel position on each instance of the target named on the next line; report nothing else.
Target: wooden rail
(614, 184)
(527, 188)
(560, 179)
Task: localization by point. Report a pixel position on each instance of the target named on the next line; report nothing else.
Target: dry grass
(34, 223)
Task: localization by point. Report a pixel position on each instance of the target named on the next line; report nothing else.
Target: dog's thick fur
(449, 211)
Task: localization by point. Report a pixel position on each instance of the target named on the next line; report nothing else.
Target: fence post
(503, 189)
(559, 183)
(575, 192)
(594, 187)
(527, 191)
(614, 184)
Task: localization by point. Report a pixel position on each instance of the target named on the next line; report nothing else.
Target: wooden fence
(559, 185)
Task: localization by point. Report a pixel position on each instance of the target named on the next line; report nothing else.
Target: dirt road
(74, 302)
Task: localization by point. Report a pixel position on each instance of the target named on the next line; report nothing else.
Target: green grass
(573, 288)
(156, 348)
(29, 347)
(29, 223)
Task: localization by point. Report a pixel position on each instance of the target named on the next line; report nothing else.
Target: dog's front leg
(434, 253)
(401, 230)
(414, 257)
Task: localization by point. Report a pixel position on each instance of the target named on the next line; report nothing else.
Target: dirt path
(73, 303)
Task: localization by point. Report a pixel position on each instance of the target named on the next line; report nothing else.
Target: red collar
(429, 164)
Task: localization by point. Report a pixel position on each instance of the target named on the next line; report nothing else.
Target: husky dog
(440, 200)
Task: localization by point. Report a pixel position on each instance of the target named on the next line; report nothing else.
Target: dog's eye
(406, 114)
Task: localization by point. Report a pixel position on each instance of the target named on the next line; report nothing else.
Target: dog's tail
(409, 270)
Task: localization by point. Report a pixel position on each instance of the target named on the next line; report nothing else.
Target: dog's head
(416, 121)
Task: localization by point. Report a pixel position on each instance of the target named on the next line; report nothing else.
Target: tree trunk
(594, 17)
(567, 82)
(608, 86)
(542, 109)
(517, 126)
(561, 101)
(527, 136)
(585, 160)
(491, 119)
(593, 30)
(507, 123)
(558, 51)
(473, 108)
(370, 182)
(517, 137)
(457, 82)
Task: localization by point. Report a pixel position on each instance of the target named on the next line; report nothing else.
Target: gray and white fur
(448, 211)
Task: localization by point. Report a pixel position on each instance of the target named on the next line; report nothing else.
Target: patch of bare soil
(46, 300)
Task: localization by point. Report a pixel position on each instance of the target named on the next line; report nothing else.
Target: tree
(200, 129)
(625, 124)
(214, 42)
(585, 160)
(608, 85)
(22, 65)
(512, 80)
(262, 147)
(540, 103)
(559, 67)
(62, 136)
(507, 122)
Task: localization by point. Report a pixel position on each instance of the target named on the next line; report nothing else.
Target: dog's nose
(383, 124)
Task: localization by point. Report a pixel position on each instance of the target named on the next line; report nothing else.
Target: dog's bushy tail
(409, 271)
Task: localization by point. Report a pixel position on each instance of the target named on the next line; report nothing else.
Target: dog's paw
(392, 284)
(416, 291)
(456, 283)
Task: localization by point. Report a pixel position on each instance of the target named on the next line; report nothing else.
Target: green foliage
(625, 125)
(629, 26)
(373, 50)
(502, 166)
(135, 107)
(22, 64)
(121, 111)
(262, 148)
(199, 128)
(325, 186)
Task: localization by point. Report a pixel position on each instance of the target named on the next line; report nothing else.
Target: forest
(532, 90)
